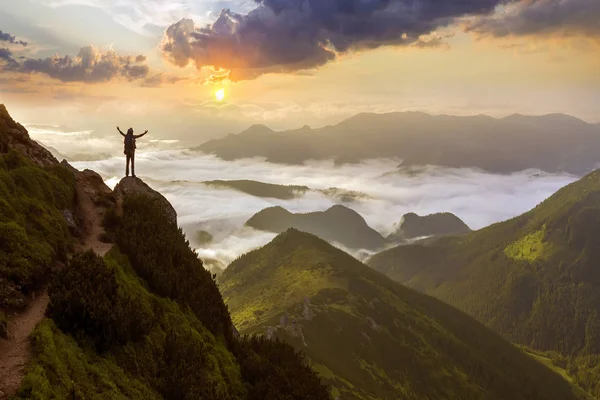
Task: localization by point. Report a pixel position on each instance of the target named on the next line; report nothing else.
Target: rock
(132, 185)
(236, 333)
(71, 223)
(372, 324)
(307, 312)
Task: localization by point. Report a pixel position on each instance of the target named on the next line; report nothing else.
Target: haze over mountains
(551, 143)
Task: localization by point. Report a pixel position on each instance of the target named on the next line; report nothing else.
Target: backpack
(129, 143)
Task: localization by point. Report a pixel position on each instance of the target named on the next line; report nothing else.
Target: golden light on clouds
(220, 94)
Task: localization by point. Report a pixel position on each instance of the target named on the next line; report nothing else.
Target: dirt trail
(15, 351)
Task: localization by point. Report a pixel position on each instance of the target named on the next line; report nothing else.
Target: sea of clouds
(477, 197)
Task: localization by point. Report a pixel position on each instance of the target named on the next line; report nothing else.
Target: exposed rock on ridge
(132, 185)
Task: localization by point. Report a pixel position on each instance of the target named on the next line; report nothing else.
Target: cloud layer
(531, 17)
(478, 198)
(290, 35)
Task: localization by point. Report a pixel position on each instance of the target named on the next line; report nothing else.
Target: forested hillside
(534, 279)
(370, 337)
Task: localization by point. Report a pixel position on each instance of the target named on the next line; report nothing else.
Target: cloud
(90, 66)
(286, 35)
(478, 198)
(7, 37)
(159, 79)
(538, 17)
(150, 17)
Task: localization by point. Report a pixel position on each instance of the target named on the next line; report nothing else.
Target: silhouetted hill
(412, 226)
(535, 278)
(550, 143)
(372, 338)
(337, 224)
(284, 192)
(261, 189)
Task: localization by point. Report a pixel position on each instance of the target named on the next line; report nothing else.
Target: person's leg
(133, 163)
(127, 164)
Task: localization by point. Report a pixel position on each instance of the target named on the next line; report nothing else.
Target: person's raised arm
(139, 136)
(122, 134)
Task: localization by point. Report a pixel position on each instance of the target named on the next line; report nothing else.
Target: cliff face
(14, 136)
(135, 186)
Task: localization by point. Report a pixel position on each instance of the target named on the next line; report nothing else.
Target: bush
(86, 302)
(160, 254)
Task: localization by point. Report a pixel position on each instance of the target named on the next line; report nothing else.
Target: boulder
(133, 185)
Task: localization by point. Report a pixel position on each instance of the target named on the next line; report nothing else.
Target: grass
(530, 248)
(61, 369)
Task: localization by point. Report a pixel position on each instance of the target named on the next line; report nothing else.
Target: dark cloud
(291, 35)
(90, 66)
(530, 17)
(7, 37)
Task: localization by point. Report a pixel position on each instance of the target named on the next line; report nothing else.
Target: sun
(220, 94)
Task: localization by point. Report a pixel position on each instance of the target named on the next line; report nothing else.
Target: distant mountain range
(340, 224)
(370, 337)
(535, 278)
(551, 143)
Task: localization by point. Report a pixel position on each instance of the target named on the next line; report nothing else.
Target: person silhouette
(129, 149)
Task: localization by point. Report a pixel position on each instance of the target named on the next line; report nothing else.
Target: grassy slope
(33, 232)
(534, 279)
(371, 338)
(147, 324)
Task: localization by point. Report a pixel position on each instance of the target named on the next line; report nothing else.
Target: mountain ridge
(355, 324)
(551, 143)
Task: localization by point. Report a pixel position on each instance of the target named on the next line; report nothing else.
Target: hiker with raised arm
(129, 149)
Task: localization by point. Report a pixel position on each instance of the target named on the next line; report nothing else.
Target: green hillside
(148, 322)
(535, 279)
(145, 322)
(372, 338)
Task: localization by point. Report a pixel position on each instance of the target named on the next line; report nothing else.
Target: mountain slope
(535, 278)
(338, 224)
(551, 142)
(146, 321)
(369, 337)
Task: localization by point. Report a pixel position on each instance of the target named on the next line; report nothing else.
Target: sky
(90, 65)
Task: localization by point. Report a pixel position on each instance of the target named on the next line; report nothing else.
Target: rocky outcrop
(132, 185)
(412, 226)
(14, 136)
